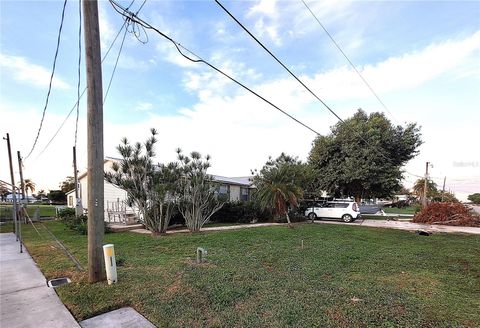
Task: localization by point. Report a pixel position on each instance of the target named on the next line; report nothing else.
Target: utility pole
(78, 205)
(14, 197)
(443, 188)
(425, 186)
(95, 141)
(22, 186)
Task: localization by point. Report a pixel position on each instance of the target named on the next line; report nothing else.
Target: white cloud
(264, 7)
(403, 72)
(33, 74)
(144, 106)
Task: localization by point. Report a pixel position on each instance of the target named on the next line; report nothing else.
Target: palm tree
(277, 191)
(418, 188)
(29, 185)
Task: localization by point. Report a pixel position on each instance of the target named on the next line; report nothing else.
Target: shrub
(455, 214)
(240, 212)
(79, 224)
(66, 212)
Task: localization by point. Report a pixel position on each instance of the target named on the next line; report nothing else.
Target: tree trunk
(288, 219)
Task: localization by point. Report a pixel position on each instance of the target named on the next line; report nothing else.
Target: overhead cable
(51, 79)
(349, 61)
(126, 13)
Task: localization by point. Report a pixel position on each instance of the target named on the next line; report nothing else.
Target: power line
(79, 64)
(126, 13)
(349, 61)
(279, 61)
(83, 92)
(116, 63)
(51, 78)
(292, 74)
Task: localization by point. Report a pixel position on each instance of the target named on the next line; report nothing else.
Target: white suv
(347, 211)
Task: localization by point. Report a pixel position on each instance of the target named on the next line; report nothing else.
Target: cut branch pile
(454, 214)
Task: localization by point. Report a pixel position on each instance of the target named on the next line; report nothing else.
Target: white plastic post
(110, 264)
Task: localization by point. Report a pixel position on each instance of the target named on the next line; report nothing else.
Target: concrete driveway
(405, 225)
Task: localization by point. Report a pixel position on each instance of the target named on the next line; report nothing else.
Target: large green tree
(279, 184)
(363, 156)
(68, 184)
(474, 198)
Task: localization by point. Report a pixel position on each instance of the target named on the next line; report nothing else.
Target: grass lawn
(344, 276)
(45, 210)
(404, 210)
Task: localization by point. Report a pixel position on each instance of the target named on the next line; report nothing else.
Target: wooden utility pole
(14, 197)
(95, 141)
(22, 187)
(443, 188)
(78, 205)
(425, 186)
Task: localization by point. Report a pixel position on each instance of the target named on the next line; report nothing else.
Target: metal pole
(14, 196)
(95, 141)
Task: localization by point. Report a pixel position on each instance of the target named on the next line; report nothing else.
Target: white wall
(111, 192)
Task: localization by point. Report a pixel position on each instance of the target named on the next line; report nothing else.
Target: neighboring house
(234, 189)
(231, 189)
(30, 199)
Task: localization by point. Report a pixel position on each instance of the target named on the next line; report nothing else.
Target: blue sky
(422, 59)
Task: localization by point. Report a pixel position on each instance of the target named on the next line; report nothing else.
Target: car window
(328, 205)
(341, 205)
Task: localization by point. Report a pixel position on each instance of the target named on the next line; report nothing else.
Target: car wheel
(347, 218)
(312, 216)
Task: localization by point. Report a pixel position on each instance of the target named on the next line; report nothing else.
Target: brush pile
(454, 214)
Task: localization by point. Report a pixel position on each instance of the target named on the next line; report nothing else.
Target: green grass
(45, 210)
(344, 276)
(404, 210)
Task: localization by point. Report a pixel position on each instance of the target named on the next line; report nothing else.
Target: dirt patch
(336, 314)
(173, 288)
(268, 266)
(415, 283)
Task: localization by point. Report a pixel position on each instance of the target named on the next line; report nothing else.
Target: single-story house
(231, 189)
(29, 198)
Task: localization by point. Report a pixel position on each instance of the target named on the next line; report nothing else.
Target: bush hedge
(77, 224)
(240, 212)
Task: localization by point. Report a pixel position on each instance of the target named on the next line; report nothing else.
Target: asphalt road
(476, 208)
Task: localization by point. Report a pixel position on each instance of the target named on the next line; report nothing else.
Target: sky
(422, 58)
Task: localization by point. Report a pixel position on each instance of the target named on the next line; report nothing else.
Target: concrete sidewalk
(222, 228)
(25, 299)
(409, 226)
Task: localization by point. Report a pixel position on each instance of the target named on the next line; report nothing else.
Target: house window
(223, 191)
(244, 193)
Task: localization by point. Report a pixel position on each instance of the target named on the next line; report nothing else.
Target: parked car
(370, 208)
(347, 211)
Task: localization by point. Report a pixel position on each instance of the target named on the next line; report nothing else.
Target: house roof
(107, 159)
(241, 181)
(69, 192)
